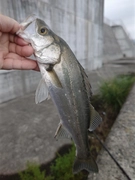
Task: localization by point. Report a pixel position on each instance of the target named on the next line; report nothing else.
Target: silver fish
(65, 81)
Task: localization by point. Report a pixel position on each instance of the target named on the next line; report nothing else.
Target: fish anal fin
(41, 92)
(61, 132)
(95, 119)
(88, 164)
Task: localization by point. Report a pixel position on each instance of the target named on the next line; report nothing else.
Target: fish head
(37, 32)
(43, 40)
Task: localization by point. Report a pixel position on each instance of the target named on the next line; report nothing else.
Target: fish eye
(43, 31)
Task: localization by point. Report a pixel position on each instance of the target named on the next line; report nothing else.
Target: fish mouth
(28, 21)
(27, 28)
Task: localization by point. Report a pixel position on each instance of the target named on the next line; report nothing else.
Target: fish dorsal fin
(41, 92)
(95, 119)
(61, 132)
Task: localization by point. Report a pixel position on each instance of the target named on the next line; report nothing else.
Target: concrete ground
(27, 129)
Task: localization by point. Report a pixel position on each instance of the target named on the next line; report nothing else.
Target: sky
(121, 11)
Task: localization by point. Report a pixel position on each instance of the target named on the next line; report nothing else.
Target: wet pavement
(27, 130)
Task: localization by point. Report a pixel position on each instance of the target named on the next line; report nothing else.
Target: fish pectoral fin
(41, 92)
(61, 132)
(95, 119)
(54, 78)
(88, 164)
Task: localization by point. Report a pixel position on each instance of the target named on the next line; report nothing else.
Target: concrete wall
(16, 83)
(117, 43)
(125, 43)
(111, 47)
(79, 23)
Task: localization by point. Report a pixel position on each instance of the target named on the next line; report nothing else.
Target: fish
(64, 81)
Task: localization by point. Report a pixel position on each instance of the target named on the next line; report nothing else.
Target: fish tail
(87, 164)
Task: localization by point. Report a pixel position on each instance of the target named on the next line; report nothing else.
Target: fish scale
(72, 91)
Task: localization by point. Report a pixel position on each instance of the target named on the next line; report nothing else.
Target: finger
(20, 41)
(14, 61)
(21, 50)
(17, 40)
(8, 24)
(36, 68)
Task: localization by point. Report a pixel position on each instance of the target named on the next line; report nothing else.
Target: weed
(113, 93)
(62, 168)
(33, 173)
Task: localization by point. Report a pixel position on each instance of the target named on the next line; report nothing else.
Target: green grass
(33, 173)
(61, 169)
(113, 93)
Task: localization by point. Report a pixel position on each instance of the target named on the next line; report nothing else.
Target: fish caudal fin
(87, 164)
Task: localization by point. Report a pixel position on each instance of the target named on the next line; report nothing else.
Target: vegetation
(33, 173)
(108, 103)
(113, 93)
(61, 169)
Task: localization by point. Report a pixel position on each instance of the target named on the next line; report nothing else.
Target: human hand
(14, 50)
